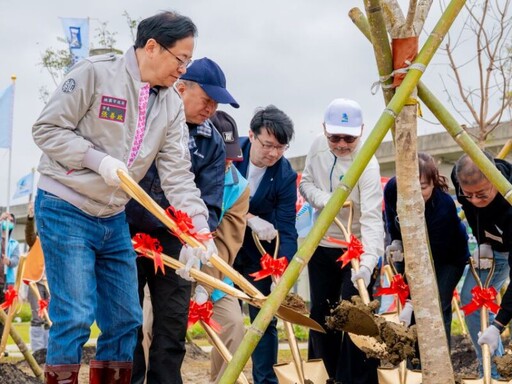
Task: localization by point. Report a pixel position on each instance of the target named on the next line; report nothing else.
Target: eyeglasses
(484, 195)
(270, 147)
(181, 63)
(337, 138)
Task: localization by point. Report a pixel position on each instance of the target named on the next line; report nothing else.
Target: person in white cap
(329, 158)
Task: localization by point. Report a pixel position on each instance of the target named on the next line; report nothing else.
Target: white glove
(406, 313)
(191, 258)
(264, 230)
(364, 273)
(491, 337)
(108, 170)
(483, 256)
(395, 251)
(200, 295)
(211, 249)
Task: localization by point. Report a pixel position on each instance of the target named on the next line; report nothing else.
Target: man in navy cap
(202, 88)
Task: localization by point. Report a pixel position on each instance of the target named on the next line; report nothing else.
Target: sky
(296, 54)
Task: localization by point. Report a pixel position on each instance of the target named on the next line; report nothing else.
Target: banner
(76, 32)
(6, 109)
(24, 186)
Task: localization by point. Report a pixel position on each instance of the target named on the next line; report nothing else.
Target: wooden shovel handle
(35, 291)
(221, 348)
(12, 308)
(361, 286)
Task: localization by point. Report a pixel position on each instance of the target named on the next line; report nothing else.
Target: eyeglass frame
(269, 147)
(337, 138)
(484, 196)
(181, 63)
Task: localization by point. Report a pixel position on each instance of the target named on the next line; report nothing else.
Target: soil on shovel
(295, 302)
(355, 317)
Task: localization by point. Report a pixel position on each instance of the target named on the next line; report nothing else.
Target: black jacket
(493, 225)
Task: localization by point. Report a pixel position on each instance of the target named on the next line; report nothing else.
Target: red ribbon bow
(10, 296)
(482, 297)
(202, 312)
(144, 243)
(185, 226)
(43, 305)
(397, 287)
(354, 249)
(270, 267)
(456, 295)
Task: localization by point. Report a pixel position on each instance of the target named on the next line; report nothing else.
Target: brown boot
(97, 371)
(118, 372)
(61, 374)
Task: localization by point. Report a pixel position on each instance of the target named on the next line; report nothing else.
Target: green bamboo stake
(339, 196)
(451, 125)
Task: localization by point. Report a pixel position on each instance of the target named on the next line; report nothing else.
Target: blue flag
(24, 186)
(76, 32)
(6, 107)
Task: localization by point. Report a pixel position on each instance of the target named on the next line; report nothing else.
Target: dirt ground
(197, 365)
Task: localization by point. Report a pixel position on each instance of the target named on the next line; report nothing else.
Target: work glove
(191, 258)
(483, 256)
(491, 337)
(200, 295)
(364, 273)
(395, 252)
(263, 229)
(406, 313)
(108, 170)
(210, 250)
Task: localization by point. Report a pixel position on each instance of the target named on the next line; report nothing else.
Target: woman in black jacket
(446, 233)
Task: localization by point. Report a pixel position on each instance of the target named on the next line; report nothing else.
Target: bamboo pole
(339, 196)
(454, 129)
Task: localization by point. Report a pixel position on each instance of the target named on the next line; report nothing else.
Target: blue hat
(210, 77)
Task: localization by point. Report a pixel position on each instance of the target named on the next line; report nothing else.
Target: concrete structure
(440, 145)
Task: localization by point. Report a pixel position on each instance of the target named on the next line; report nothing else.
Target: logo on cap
(344, 117)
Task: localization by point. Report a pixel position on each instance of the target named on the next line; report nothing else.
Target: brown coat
(230, 234)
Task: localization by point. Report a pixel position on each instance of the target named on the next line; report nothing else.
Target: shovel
(12, 308)
(484, 320)
(138, 194)
(367, 331)
(298, 371)
(400, 374)
(256, 297)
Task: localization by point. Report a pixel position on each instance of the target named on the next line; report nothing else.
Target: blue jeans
(501, 273)
(91, 271)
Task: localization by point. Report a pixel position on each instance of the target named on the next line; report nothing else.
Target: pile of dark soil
(11, 374)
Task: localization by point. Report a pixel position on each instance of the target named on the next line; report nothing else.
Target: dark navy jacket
(446, 233)
(208, 156)
(274, 201)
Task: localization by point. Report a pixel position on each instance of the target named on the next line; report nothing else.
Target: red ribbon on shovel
(185, 225)
(43, 305)
(482, 297)
(397, 287)
(354, 249)
(270, 267)
(202, 312)
(10, 296)
(144, 241)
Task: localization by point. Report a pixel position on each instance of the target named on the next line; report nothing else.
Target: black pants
(328, 283)
(170, 297)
